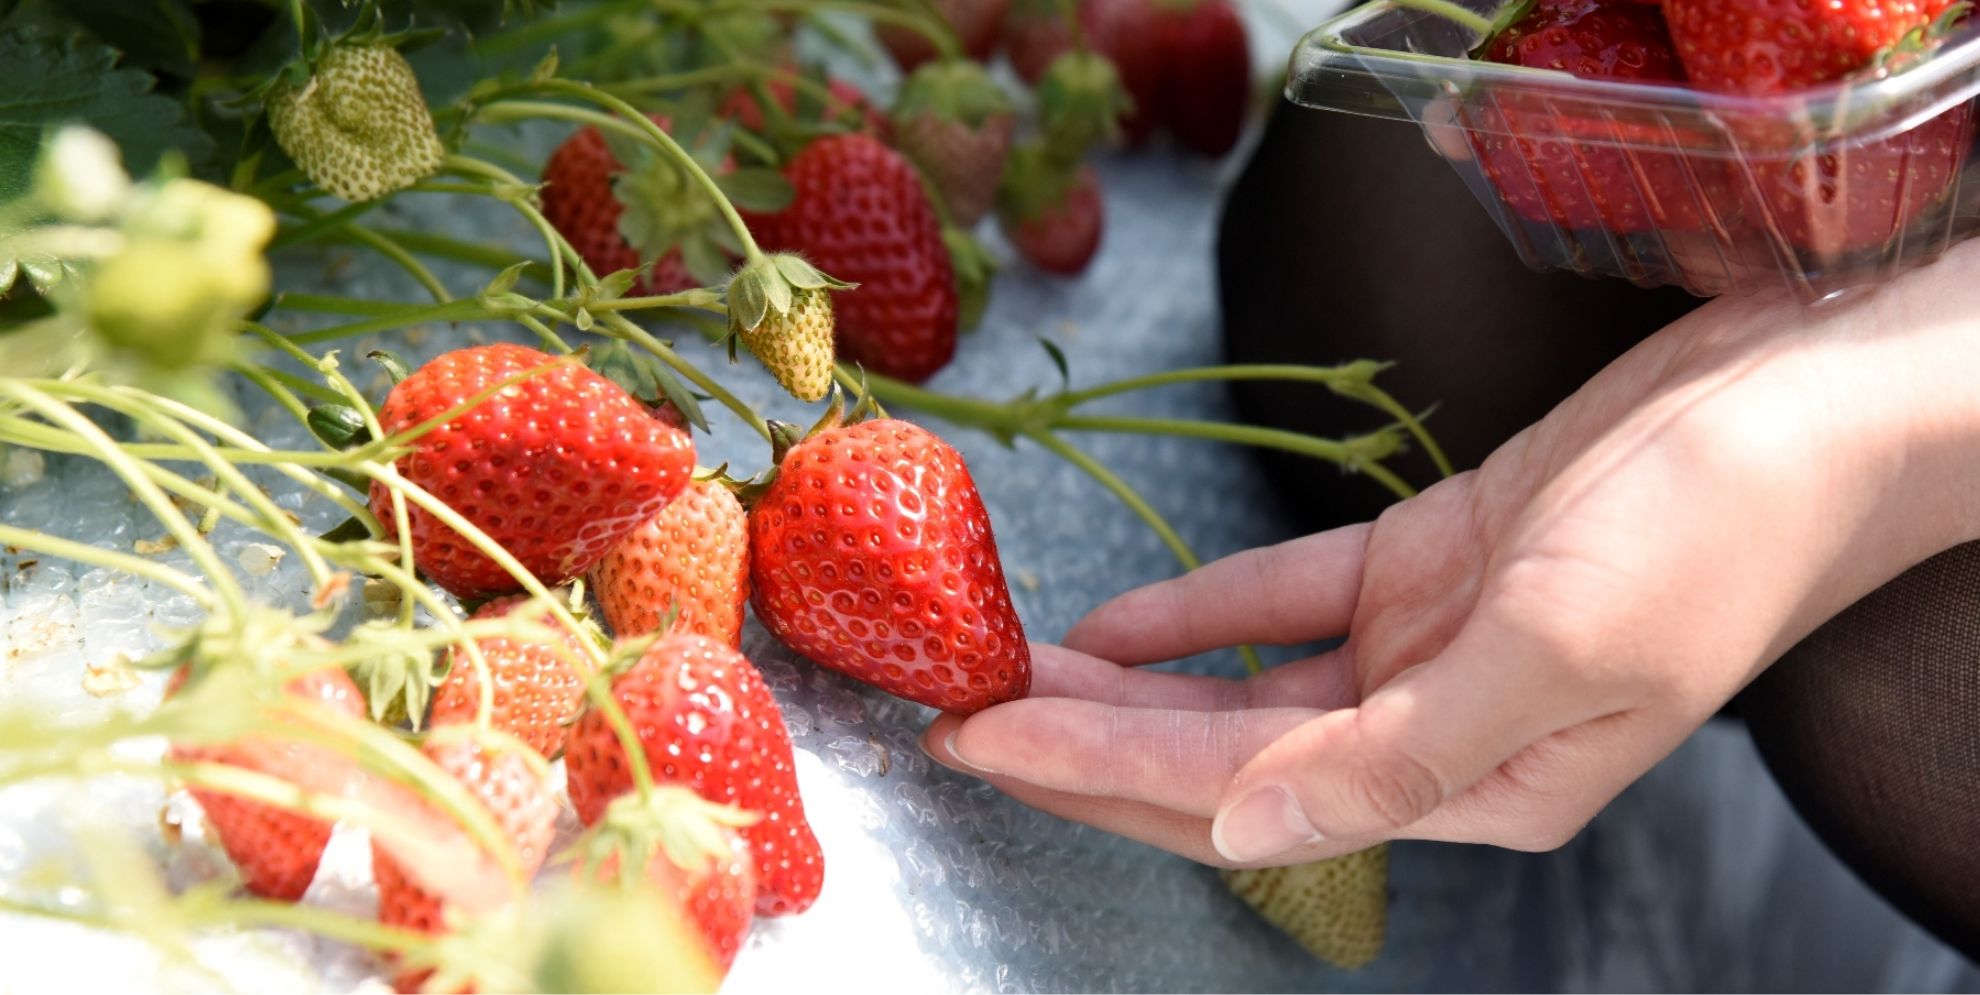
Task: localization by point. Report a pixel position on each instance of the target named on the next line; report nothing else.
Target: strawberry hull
(1821, 190)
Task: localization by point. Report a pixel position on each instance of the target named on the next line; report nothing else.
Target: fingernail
(949, 747)
(1262, 824)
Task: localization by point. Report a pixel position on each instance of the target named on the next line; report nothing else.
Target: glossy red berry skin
(580, 202)
(872, 554)
(554, 468)
(861, 214)
(537, 691)
(275, 850)
(707, 721)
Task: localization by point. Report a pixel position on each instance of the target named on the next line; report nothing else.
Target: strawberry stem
(96, 556)
(1141, 508)
(651, 132)
(1348, 453)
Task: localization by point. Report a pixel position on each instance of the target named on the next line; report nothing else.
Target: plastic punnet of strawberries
(547, 574)
(1722, 191)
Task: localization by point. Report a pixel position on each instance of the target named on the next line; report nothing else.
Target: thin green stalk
(391, 250)
(108, 559)
(461, 310)
(322, 224)
(713, 388)
(277, 391)
(443, 247)
(1351, 380)
(1137, 504)
(476, 167)
(275, 523)
(1248, 435)
(653, 134)
(608, 706)
(132, 474)
(21, 431)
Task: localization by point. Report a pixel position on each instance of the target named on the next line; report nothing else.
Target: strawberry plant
(711, 194)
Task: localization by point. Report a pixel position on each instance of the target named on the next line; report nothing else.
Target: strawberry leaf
(158, 34)
(704, 258)
(1058, 360)
(676, 393)
(55, 81)
(761, 191)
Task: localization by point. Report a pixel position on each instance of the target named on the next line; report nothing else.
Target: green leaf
(762, 191)
(505, 281)
(778, 290)
(53, 82)
(802, 274)
(157, 34)
(614, 285)
(644, 195)
(704, 259)
(1058, 359)
(748, 301)
(680, 397)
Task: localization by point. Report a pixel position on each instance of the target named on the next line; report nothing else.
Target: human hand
(1525, 640)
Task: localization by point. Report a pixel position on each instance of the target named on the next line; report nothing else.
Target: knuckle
(1393, 787)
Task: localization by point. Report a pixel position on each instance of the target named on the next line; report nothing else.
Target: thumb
(1367, 773)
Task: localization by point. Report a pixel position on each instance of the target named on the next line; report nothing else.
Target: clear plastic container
(1822, 190)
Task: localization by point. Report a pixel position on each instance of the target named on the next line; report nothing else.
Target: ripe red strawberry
(1845, 196)
(1206, 84)
(692, 557)
(580, 203)
(707, 721)
(699, 862)
(975, 22)
(555, 468)
(275, 850)
(536, 691)
(1057, 228)
(956, 124)
(1576, 171)
(861, 214)
(1769, 46)
(1862, 196)
(513, 785)
(871, 554)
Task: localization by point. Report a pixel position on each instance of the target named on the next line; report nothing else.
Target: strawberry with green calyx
(862, 213)
(975, 270)
(955, 123)
(705, 720)
(692, 852)
(1052, 214)
(976, 25)
(1336, 908)
(692, 559)
(512, 782)
(780, 308)
(275, 850)
(1080, 104)
(871, 553)
(552, 461)
(398, 682)
(536, 690)
(1126, 33)
(352, 118)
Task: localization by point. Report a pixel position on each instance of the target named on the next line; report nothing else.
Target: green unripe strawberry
(191, 264)
(1338, 909)
(796, 346)
(780, 309)
(357, 126)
